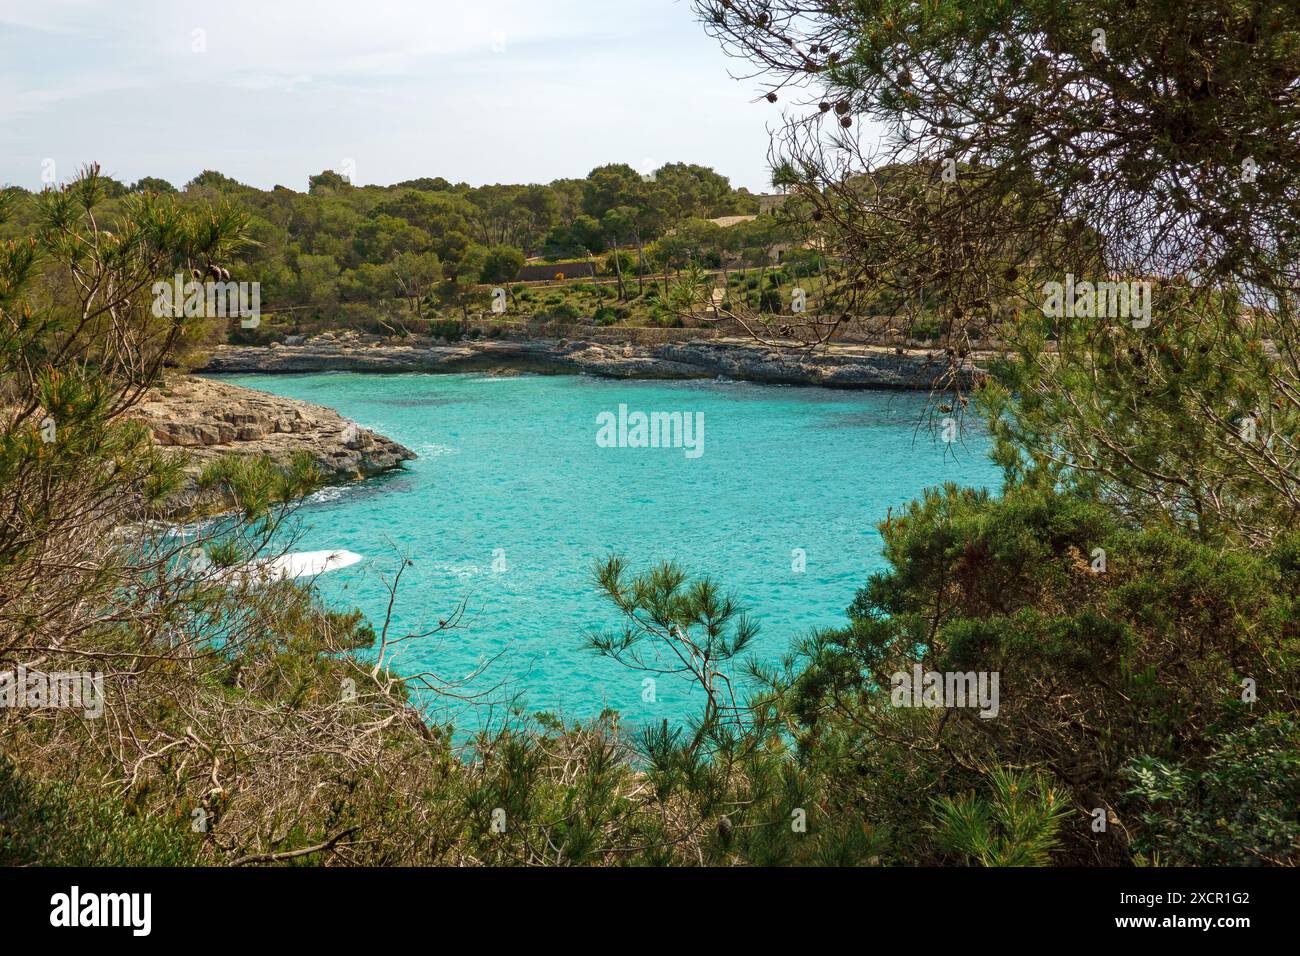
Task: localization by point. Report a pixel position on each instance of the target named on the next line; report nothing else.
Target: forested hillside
(409, 250)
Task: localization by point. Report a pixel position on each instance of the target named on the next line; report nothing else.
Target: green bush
(1152, 648)
(928, 328)
(1239, 805)
(665, 317)
(449, 330)
(563, 311)
(625, 262)
(63, 825)
(803, 263)
(501, 264)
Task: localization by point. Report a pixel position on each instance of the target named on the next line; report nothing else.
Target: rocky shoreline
(834, 366)
(208, 419)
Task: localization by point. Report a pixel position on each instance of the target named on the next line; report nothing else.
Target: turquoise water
(512, 499)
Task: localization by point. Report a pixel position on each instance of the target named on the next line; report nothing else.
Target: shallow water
(512, 499)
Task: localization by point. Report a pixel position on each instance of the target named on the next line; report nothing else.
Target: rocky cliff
(837, 366)
(209, 419)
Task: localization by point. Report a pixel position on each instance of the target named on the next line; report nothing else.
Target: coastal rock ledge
(835, 366)
(209, 419)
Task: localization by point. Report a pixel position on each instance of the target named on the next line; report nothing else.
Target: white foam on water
(434, 450)
(314, 562)
(461, 571)
(298, 565)
(329, 493)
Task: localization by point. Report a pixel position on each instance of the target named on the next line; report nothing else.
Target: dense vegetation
(1134, 585)
(389, 258)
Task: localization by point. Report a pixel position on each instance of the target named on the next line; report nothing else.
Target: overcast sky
(479, 91)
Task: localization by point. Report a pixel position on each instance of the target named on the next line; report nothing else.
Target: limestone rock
(209, 418)
(835, 366)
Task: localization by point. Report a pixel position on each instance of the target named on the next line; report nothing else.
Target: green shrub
(665, 317)
(928, 328)
(1153, 649)
(1237, 806)
(64, 825)
(625, 263)
(564, 311)
(449, 330)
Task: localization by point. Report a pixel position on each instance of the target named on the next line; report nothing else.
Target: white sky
(478, 91)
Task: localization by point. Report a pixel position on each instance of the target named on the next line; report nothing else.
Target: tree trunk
(640, 266)
(618, 270)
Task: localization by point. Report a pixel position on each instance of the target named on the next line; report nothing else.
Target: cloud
(476, 90)
(15, 102)
(48, 16)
